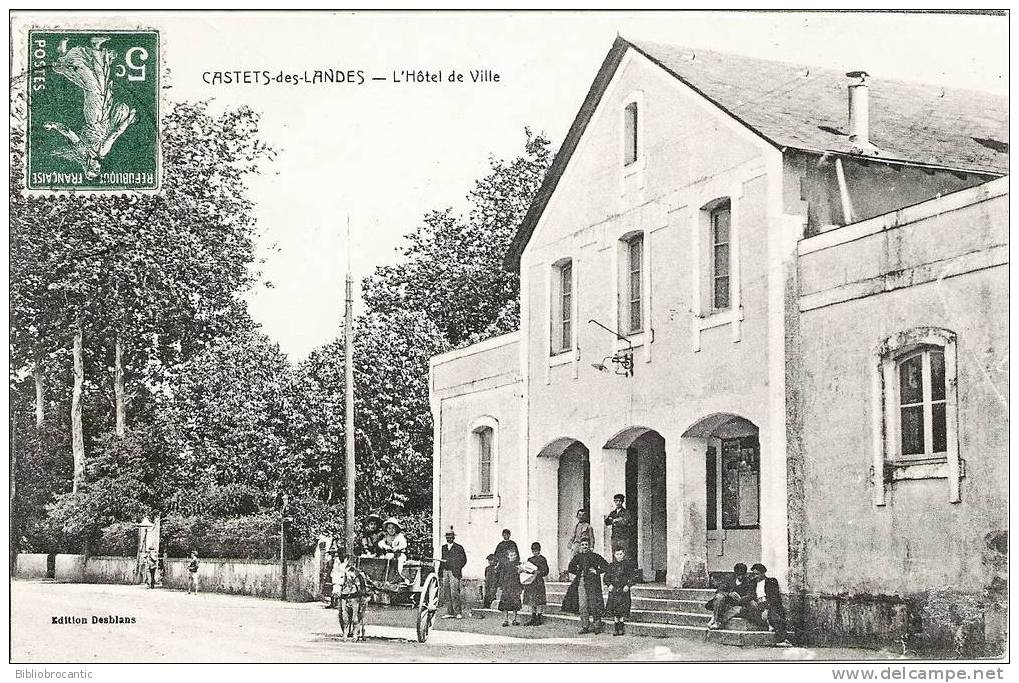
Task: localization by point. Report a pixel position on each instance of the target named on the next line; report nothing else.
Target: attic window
(991, 143)
(630, 131)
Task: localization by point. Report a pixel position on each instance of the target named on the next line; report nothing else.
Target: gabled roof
(805, 108)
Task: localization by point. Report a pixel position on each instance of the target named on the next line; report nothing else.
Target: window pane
(940, 428)
(634, 286)
(721, 259)
(912, 430)
(711, 486)
(634, 316)
(720, 225)
(630, 124)
(937, 375)
(636, 244)
(634, 252)
(730, 483)
(485, 461)
(750, 475)
(748, 498)
(721, 296)
(911, 381)
(567, 340)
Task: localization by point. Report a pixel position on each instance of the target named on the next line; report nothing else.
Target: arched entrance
(645, 491)
(732, 460)
(573, 490)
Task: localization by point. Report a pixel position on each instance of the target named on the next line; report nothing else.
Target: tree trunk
(118, 385)
(77, 438)
(40, 395)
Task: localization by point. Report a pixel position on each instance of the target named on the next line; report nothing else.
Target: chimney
(859, 113)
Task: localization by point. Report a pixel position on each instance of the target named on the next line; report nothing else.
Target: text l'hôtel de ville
(348, 76)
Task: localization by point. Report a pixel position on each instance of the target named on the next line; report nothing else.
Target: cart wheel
(428, 605)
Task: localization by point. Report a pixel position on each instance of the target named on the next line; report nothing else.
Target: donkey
(350, 588)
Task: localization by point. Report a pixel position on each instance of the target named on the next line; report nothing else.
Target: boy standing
(509, 581)
(491, 580)
(534, 592)
(620, 576)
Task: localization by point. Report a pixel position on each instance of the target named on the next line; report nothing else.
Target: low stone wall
(112, 570)
(935, 622)
(30, 565)
(261, 578)
(69, 568)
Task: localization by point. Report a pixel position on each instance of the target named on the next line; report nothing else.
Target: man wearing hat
(454, 559)
(621, 521)
(394, 543)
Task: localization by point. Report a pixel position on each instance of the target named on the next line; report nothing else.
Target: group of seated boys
(753, 596)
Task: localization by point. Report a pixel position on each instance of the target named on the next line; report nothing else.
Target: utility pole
(348, 367)
(283, 547)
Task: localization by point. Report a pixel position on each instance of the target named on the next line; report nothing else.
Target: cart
(418, 588)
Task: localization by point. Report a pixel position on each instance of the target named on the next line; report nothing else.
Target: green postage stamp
(93, 110)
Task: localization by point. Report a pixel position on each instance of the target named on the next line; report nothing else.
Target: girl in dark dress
(534, 592)
(620, 576)
(509, 581)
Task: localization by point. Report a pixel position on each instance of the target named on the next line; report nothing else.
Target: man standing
(153, 563)
(766, 605)
(193, 573)
(584, 596)
(454, 559)
(621, 521)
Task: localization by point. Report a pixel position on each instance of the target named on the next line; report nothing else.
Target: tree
(391, 414)
(229, 417)
(139, 283)
(452, 268)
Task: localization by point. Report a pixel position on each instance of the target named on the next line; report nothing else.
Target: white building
(672, 216)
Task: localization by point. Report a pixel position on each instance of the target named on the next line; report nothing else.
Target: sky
(384, 153)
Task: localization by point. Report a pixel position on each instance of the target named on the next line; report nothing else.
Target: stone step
(656, 616)
(636, 628)
(648, 590)
(657, 604)
(741, 638)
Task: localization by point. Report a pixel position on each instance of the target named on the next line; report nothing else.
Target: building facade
(703, 274)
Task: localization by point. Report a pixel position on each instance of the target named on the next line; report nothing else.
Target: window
(566, 305)
(914, 414)
(922, 417)
(741, 477)
(634, 258)
(483, 487)
(562, 307)
(630, 134)
(711, 485)
(720, 256)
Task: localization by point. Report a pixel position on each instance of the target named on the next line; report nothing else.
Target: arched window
(721, 255)
(915, 418)
(484, 459)
(561, 324)
(631, 289)
(485, 437)
(630, 133)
